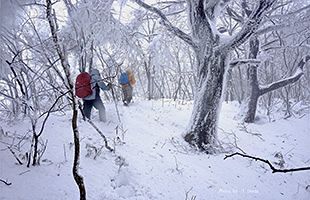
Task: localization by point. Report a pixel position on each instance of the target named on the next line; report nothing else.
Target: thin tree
(65, 66)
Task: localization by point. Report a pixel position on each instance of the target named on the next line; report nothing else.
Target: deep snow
(153, 162)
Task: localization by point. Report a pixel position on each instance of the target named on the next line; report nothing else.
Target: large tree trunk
(203, 124)
(211, 56)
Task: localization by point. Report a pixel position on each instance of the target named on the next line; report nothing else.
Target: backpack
(131, 78)
(123, 79)
(83, 85)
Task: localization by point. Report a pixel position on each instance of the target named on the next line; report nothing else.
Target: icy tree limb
(306, 8)
(210, 7)
(15, 74)
(289, 80)
(49, 112)
(5, 182)
(251, 25)
(15, 156)
(272, 28)
(234, 15)
(274, 170)
(234, 63)
(178, 32)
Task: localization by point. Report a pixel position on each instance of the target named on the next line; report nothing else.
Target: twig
(235, 140)
(96, 128)
(24, 172)
(18, 160)
(243, 127)
(102, 135)
(5, 182)
(274, 170)
(65, 154)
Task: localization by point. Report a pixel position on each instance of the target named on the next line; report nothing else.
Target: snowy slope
(155, 161)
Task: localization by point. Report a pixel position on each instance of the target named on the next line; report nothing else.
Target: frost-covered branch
(234, 63)
(274, 170)
(295, 12)
(251, 25)
(178, 32)
(272, 28)
(210, 7)
(288, 80)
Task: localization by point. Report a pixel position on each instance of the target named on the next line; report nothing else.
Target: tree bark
(203, 123)
(253, 81)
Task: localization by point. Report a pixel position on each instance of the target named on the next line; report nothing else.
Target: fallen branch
(96, 128)
(274, 170)
(102, 135)
(5, 182)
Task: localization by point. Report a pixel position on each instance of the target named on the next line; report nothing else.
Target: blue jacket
(96, 79)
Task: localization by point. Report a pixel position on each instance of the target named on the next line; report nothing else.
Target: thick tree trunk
(254, 95)
(211, 65)
(253, 81)
(202, 128)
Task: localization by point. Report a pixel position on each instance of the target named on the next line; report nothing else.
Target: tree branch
(178, 32)
(15, 156)
(234, 63)
(49, 112)
(274, 170)
(251, 25)
(5, 182)
(292, 79)
(96, 128)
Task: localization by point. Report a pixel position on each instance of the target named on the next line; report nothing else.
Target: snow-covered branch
(178, 32)
(212, 7)
(234, 63)
(251, 25)
(298, 11)
(286, 81)
(272, 28)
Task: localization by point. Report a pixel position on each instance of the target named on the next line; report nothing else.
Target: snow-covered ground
(153, 162)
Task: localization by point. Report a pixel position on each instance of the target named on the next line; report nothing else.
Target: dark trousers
(127, 92)
(97, 103)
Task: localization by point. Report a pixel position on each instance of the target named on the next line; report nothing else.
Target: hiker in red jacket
(94, 98)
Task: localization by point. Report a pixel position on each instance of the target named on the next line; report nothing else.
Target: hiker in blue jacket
(127, 81)
(94, 99)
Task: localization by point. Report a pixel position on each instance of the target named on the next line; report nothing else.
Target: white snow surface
(157, 163)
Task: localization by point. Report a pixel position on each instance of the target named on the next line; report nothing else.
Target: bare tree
(65, 66)
(256, 90)
(211, 54)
